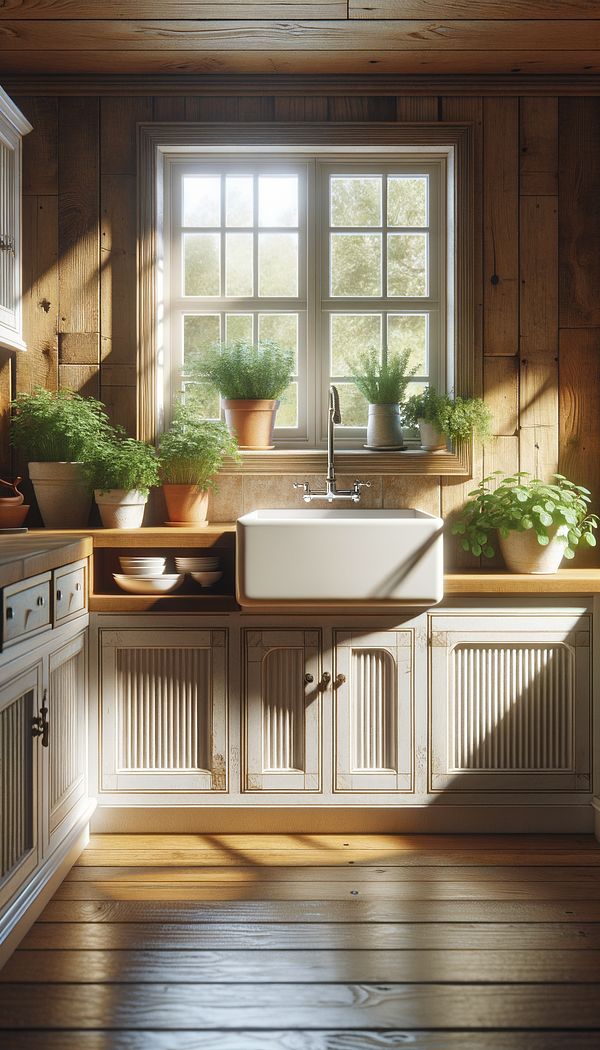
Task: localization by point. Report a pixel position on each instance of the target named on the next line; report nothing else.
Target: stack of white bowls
(204, 569)
(146, 575)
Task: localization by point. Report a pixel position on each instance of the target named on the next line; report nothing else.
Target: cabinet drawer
(70, 591)
(25, 608)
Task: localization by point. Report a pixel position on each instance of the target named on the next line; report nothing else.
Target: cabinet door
(164, 710)
(510, 701)
(12, 126)
(65, 774)
(283, 710)
(373, 691)
(19, 703)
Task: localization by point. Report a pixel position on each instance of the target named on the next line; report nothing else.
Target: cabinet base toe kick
(23, 908)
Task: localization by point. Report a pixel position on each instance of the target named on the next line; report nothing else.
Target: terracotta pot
(12, 515)
(62, 495)
(432, 438)
(186, 504)
(251, 422)
(384, 427)
(120, 508)
(522, 553)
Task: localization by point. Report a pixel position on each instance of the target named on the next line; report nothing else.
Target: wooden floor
(314, 942)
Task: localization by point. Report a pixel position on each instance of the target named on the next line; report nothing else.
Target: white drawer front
(70, 591)
(26, 609)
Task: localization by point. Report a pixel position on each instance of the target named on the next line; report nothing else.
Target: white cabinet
(13, 126)
(20, 701)
(164, 710)
(65, 757)
(282, 710)
(373, 689)
(510, 701)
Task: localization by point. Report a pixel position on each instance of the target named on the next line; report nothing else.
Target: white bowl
(206, 579)
(143, 572)
(144, 564)
(149, 584)
(206, 566)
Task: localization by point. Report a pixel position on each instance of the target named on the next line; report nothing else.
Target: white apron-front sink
(335, 557)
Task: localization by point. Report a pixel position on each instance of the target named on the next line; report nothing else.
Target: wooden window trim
(157, 138)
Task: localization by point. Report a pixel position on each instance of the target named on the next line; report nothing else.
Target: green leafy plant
(192, 451)
(243, 372)
(520, 502)
(53, 427)
(457, 418)
(382, 382)
(121, 462)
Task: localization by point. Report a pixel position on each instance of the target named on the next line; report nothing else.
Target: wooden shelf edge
(182, 603)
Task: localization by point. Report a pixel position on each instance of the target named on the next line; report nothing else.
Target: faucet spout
(331, 492)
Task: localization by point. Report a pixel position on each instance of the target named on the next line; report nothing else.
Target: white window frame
(451, 141)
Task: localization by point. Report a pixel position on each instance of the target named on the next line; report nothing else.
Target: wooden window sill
(353, 461)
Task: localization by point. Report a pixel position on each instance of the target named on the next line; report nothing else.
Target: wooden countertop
(35, 552)
(565, 581)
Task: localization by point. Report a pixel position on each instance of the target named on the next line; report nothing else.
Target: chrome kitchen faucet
(331, 492)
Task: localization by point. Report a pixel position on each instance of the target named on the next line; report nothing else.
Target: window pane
(202, 201)
(239, 280)
(278, 264)
(351, 335)
(200, 332)
(353, 406)
(287, 413)
(407, 264)
(238, 328)
(355, 201)
(356, 264)
(282, 329)
(239, 191)
(202, 263)
(204, 399)
(278, 200)
(407, 201)
(409, 332)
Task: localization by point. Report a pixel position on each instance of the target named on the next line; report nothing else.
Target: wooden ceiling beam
(494, 10)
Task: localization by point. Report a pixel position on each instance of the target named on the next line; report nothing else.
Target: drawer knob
(41, 600)
(308, 678)
(78, 586)
(10, 613)
(59, 595)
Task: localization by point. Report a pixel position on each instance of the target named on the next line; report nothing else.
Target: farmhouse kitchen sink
(339, 557)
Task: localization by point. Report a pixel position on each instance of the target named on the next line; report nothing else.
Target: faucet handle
(305, 486)
(357, 486)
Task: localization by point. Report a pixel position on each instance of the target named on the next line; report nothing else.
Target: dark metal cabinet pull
(39, 723)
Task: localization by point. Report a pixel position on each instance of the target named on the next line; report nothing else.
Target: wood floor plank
(331, 843)
(289, 1040)
(245, 967)
(241, 875)
(206, 858)
(344, 1006)
(440, 935)
(351, 910)
(328, 891)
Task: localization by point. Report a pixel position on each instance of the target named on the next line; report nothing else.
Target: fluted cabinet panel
(164, 709)
(510, 701)
(20, 700)
(513, 707)
(16, 835)
(66, 754)
(282, 710)
(373, 687)
(373, 692)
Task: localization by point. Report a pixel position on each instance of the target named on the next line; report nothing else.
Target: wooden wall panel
(79, 182)
(78, 235)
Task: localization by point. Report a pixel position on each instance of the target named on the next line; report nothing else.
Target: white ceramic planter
(121, 509)
(61, 493)
(432, 439)
(384, 427)
(522, 553)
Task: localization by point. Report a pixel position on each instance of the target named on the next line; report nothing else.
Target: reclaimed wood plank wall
(537, 185)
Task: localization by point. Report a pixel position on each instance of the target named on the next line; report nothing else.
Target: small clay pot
(12, 515)
(251, 422)
(522, 553)
(186, 504)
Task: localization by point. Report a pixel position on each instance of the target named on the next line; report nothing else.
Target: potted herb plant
(537, 523)
(250, 379)
(442, 418)
(56, 432)
(191, 452)
(383, 383)
(122, 471)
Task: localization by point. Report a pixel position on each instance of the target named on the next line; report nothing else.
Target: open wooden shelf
(121, 602)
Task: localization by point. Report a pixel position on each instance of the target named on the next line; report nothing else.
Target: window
(328, 256)
(321, 242)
